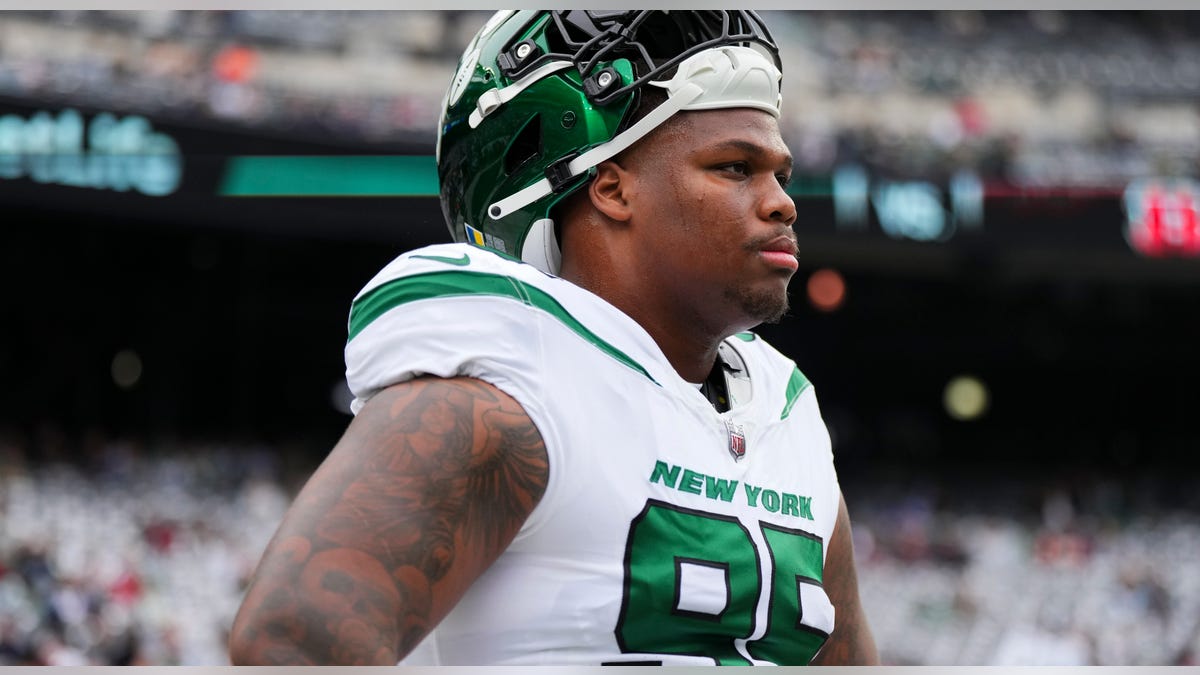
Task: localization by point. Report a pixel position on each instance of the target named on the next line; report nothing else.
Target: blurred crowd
(1095, 573)
(1081, 99)
(362, 76)
(121, 552)
(1034, 98)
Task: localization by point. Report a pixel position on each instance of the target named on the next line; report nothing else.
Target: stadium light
(126, 369)
(826, 289)
(966, 398)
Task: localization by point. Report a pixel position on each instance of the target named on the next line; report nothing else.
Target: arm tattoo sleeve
(428, 486)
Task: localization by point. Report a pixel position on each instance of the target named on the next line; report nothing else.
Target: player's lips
(780, 252)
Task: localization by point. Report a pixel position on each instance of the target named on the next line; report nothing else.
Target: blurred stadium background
(998, 304)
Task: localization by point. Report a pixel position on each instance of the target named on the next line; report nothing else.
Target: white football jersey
(669, 533)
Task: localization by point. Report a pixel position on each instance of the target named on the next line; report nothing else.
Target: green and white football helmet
(541, 97)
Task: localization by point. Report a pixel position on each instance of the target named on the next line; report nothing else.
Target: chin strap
(722, 77)
(522, 198)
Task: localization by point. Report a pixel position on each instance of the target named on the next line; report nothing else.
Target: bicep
(429, 484)
(851, 642)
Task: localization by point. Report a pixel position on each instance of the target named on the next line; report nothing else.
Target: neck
(687, 340)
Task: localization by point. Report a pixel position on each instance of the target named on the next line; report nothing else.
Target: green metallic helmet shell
(534, 90)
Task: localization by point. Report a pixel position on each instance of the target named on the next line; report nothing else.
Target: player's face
(716, 221)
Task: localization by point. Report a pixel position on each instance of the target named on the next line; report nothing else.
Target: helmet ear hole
(526, 145)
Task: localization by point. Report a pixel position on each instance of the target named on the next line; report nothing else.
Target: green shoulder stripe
(460, 283)
(796, 385)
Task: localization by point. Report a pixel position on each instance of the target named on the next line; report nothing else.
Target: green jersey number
(693, 583)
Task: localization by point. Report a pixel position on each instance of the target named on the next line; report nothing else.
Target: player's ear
(609, 190)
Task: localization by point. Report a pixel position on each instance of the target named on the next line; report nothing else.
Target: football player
(569, 448)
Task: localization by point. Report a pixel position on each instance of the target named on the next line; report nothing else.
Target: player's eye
(740, 168)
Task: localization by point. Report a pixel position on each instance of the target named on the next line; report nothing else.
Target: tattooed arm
(429, 484)
(851, 643)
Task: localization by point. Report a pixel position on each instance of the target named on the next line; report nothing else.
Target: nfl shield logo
(737, 440)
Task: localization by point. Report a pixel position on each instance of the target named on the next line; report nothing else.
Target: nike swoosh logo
(461, 261)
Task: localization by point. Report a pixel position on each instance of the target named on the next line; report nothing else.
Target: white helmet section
(730, 77)
(721, 77)
(541, 247)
